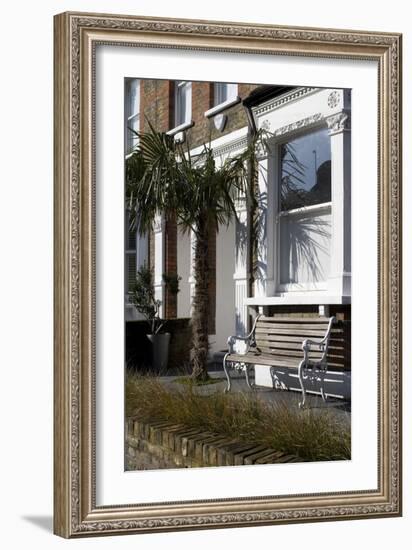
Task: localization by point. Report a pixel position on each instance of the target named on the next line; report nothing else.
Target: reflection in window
(305, 164)
(224, 92)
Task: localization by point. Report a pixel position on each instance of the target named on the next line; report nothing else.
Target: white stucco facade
(289, 270)
(322, 273)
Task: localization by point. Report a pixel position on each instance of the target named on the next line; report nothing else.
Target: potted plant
(143, 298)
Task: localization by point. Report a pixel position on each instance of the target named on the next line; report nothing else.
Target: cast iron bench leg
(225, 368)
(250, 386)
(322, 383)
(300, 375)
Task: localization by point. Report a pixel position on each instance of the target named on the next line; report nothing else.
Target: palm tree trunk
(200, 302)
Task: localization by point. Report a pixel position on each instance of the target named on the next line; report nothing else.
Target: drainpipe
(249, 215)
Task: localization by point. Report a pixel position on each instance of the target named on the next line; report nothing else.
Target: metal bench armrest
(249, 340)
(322, 345)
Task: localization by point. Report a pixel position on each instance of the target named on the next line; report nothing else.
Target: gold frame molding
(75, 510)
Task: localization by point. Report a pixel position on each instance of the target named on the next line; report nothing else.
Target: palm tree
(163, 176)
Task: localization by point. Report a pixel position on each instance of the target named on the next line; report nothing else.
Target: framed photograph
(227, 274)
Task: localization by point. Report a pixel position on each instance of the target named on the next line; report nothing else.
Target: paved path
(290, 398)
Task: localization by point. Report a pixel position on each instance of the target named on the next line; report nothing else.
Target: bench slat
(289, 347)
(285, 337)
(292, 327)
(318, 333)
(279, 344)
(324, 320)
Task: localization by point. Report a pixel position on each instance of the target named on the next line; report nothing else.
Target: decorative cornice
(289, 97)
(235, 145)
(338, 123)
(307, 122)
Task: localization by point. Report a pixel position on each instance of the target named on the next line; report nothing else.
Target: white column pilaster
(159, 261)
(265, 228)
(240, 275)
(339, 282)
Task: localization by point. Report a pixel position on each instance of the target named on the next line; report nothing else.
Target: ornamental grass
(312, 434)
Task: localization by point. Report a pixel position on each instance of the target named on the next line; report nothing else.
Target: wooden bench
(282, 343)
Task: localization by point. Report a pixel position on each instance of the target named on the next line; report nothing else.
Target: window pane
(224, 92)
(130, 234)
(188, 102)
(183, 103)
(132, 97)
(133, 125)
(304, 255)
(220, 92)
(305, 171)
(231, 91)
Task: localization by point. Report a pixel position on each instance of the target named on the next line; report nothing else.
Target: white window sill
(180, 128)
(221, 107)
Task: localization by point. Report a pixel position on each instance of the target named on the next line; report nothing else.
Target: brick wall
(204, 129)
(202, 100)
(161, 444)
(156, 104)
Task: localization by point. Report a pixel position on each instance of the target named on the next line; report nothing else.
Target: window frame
(275, 176)
(218, 88)
(129, 115)
(178, 118)
(220, 106)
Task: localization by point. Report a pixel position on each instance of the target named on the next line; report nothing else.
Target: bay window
(304, 211)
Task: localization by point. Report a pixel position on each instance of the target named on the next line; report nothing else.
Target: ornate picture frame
(76, 36)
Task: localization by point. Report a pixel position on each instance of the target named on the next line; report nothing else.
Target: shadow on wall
(305, 254)
(305, 241)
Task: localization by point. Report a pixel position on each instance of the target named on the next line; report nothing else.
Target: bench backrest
(284, 336)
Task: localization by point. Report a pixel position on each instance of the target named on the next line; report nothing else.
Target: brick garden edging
(162, 444)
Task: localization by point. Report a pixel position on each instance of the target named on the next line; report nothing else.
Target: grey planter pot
(160, 351)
